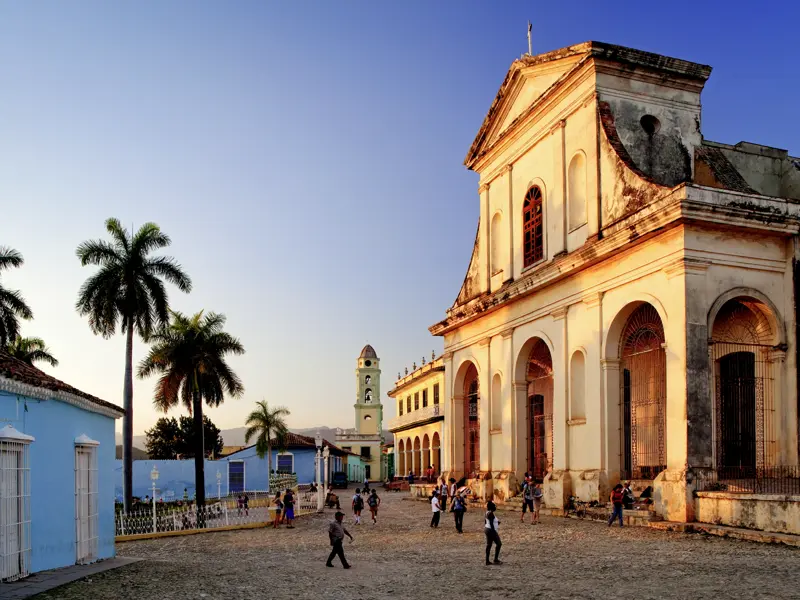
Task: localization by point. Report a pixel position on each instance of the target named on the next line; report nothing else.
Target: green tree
(189, 355)
(12, 305)
(128, 290)
(164, 439)
(31, 350)
(268, 427)
(170, 439)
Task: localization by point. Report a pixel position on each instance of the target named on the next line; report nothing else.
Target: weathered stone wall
(779, 514)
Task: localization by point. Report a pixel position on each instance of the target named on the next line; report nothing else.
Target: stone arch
(611, 344)
(417, 457)
(401, 458)
(521, 362)
(464, 431)
(765, 306)
(409, 456)
(746, 339)
(436, 451)
(426, 452)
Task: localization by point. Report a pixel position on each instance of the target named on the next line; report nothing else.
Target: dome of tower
(368, 352)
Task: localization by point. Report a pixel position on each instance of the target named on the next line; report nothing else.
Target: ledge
(581, 421)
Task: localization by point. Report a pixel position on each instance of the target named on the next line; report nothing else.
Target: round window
(367, 363)
(650, 124)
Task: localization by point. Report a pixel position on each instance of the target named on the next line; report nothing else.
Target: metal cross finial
(530, 46)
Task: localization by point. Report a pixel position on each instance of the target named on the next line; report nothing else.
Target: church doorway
(472, 426)
(643, 395)
(539, 377)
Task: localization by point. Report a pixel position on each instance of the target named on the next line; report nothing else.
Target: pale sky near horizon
(306, 159)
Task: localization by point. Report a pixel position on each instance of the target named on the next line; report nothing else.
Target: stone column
(560, 395)
(784, 417)
(447, 406)
(510, 219)
(519, 444)
(484, 403)
(484, 245)
(611, 458)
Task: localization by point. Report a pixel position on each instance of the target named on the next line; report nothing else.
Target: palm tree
(30, 350)
(190, 357)
(268, 427)
(129, 290)
(12, 306)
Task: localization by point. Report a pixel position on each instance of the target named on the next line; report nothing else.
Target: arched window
(497, 416)
(367, 379)
(577, 385)
(368, 396)
(472, 437)
(533, 227)
(577, 191)
(497, 258)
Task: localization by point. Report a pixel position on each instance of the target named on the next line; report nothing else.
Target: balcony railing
(415, 416)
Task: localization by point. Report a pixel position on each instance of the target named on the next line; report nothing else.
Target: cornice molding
(686, 265)
(592, 300)
(39, 393)
(559, 313)
(507, 333)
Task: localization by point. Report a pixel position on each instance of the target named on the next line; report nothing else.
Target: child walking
(278, 511)
(490, 527)
(437, 511)
(374, 502)
(358, 506)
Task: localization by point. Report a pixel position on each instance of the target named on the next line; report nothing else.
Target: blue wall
(175, 475)
(55, 425)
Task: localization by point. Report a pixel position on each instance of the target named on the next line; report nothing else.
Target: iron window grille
(15, 504)
(86, 501)
(533, 227)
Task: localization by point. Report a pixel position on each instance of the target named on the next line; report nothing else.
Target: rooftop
(368, 352)
(18, 377)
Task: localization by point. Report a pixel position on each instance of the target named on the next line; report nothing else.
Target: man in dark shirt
(336, 533)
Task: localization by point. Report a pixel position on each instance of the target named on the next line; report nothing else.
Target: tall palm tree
(268, 427)
(12, 305)
(190, 357)
(128, 290)
(30, 350)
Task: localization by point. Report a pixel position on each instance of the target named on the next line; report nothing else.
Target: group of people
(284, 510)
(372, 501)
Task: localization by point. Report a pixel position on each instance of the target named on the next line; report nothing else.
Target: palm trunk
(269, 458)
(127, 423)
(199, 471)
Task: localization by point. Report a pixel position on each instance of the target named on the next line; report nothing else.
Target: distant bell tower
(369, 410)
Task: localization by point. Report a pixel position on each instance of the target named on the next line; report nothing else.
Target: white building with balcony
(418, 428)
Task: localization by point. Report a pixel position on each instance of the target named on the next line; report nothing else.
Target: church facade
(366, 438)
(628, 311)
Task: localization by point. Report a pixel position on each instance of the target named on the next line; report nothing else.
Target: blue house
(57, 453)
(246, 471)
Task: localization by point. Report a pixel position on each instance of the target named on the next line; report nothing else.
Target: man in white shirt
(435, 508)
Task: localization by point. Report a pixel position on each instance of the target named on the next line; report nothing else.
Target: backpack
(616, 497)
(372, 501)
(358, 503)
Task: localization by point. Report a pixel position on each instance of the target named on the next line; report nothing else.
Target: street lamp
(325, 455)
(219, 485)
(154, 478)
(320, 500)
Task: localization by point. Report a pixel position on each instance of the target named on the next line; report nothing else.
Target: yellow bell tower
(369, 410)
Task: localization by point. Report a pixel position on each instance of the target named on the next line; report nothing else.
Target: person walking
(443, 494)
(459, 507)
(411, 478)
(336, 533)
(358, 506)
(374, 502)
(437, 511)
(616, 501)
(490, 527)
(527, 500)
(245, 503)
(538, 494)
(288, 509)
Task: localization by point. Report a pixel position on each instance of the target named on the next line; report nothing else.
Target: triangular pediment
(527, 80)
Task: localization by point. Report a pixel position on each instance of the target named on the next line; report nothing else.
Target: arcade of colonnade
(622, 386)
(418, 451)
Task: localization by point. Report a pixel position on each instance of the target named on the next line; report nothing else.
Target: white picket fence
(216, 514)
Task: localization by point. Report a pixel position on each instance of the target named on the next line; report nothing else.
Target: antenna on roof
(530, 47)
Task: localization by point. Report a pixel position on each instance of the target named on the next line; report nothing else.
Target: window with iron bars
(532, 227)
(424, 398)
(86, 503)
(416, 400)
(15, 509)
(436, 393)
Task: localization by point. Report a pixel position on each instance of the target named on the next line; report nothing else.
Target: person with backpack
(288, 509)
(437, 511)
(616, 499)
(538, 494)
(490, 528)
(458, 508)
(527, 499)
(374, 502)
(358, 506)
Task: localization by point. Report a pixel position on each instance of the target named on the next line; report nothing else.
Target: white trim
(24, 389)
(284, 454)
(86, 504)
(8, 433)
(85, 440)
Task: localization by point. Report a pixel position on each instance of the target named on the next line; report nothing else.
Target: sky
(306, 158)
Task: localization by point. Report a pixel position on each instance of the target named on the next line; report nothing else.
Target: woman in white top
(490, 527)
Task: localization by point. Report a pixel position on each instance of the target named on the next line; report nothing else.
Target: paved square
(402, 556)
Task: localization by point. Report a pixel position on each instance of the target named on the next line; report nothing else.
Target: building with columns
(418, 428)
(629, 307)
(366, 438)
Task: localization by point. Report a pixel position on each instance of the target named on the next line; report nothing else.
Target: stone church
(629, 307)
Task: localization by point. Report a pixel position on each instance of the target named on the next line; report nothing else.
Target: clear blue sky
(306, 159)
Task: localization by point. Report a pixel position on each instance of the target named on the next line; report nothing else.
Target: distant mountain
(235, 437)
(138, 453)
